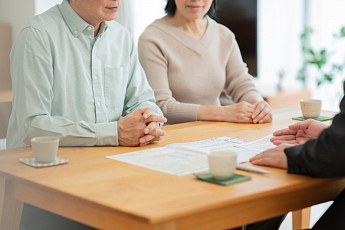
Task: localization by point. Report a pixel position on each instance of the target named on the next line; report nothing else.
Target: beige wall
(17, 13)
(14, 15)
(5, 47)
(5, 79)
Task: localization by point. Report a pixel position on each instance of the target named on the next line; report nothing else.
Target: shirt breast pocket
(115, 86)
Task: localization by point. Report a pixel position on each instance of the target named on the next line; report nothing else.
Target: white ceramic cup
(45, 148)
(311, 108)
(222, 164)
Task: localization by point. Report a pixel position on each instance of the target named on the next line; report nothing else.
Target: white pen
(251, 169)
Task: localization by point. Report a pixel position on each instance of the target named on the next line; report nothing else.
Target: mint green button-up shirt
(70, 84)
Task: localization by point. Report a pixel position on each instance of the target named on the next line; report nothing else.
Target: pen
(251, 169)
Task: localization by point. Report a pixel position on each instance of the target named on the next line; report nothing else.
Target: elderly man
(76, 76)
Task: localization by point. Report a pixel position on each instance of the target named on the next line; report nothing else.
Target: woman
(189, 59)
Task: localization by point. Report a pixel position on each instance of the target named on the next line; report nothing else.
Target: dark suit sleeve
(322, 157)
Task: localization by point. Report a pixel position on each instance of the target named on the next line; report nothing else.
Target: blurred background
(268, 31)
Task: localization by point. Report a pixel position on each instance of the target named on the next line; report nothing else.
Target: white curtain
(279, 42)
(126, 16)
(135, 15)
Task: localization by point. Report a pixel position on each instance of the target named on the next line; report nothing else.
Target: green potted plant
(319, 60)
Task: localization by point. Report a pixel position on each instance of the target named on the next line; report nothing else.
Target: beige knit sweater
(185, 72)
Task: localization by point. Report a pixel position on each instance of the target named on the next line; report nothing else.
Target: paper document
(185, 158)
(205, 146)
(260, 144)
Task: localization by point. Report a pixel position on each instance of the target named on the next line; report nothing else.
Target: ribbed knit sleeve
(239, 83)
(155, 64)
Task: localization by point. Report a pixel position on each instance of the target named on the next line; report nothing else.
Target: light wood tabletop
(5, 95)
(5, 110)
(109, 194)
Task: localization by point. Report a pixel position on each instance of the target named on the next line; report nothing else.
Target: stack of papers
(191, 157)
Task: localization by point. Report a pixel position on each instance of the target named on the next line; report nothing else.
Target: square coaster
(32, 162)
(320, 118)
(234, 179)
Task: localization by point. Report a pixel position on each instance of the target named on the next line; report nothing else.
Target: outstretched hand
(298, 133)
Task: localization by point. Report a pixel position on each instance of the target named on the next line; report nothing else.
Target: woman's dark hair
(170, 9)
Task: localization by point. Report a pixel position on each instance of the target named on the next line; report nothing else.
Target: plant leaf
(328, 77)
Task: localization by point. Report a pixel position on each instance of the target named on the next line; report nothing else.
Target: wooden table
(5, 95)
(108, 194)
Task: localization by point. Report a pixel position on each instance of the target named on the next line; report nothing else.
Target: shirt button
(89, 28)
(76, 32)
(96, 78)
(98, 104)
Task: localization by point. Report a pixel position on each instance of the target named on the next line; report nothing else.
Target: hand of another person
(298, 133)
(272, 157)
(262, 112)
(140, 128)
(240, 112)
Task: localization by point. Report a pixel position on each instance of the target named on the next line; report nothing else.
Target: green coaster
(234, 179)
(320, 118)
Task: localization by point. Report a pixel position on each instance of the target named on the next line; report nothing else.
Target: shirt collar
(75, 23)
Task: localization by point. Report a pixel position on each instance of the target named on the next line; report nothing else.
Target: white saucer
(32, 162)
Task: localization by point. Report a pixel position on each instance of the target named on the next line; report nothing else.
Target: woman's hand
(240, 112)
(243, 112)
(262, 112)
